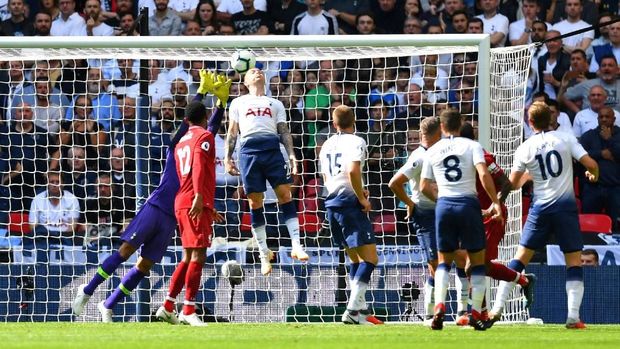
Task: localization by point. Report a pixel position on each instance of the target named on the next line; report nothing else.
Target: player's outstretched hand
(230, 167)
(591, 177)
(221, 89)
(207, 81)
(216, 216)
(197, 207)
(365, 205)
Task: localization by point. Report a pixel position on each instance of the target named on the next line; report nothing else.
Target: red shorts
(494, 231)
(194, 234)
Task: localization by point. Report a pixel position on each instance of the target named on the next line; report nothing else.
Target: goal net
(92, 120)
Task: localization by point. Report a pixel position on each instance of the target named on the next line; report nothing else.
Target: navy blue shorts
(259, 167)
(423, 223)
(350, 227)
(459, 224)
(563, 224)
(152, 229)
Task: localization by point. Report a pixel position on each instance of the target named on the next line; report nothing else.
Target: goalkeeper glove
(207, 79)
(221, 90)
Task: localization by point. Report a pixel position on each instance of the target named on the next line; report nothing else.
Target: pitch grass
(288, 336)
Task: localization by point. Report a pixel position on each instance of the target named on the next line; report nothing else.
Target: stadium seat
(595, 223)
(309, 223)
(18, 223)
(385, 223)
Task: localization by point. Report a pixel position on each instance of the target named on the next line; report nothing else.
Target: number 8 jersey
(337, 153)
(451, 163)
(548, 156)
(195, 160)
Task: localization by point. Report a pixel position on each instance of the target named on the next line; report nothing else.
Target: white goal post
(42, 289)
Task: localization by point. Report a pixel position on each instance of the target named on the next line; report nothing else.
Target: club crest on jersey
(205, 146)
(259, 112)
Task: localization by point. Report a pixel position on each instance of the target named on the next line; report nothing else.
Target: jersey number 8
(453, 173)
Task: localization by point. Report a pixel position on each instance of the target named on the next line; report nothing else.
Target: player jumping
(261, 121)
(548, 158)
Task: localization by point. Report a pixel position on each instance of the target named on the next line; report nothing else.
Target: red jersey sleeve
(203, 167)
(496, 171)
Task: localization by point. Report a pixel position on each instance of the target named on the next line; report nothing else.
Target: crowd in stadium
(77, 117)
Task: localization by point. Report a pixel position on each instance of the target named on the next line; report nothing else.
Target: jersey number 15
(334, 163)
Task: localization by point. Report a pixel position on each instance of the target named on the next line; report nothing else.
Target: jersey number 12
(184, 159)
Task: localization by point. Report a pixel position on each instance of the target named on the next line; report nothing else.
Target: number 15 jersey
(336, 155)
(195, 161)
(548, 156)
(451, 163)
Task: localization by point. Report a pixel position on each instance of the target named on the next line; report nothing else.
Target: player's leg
(289, 211)
(177, 281)
(442, 282)
(259, 230)
(566, 229)
(104, 271)
(462, 287)
(423, 223)
(518, 263)
(192, 279)
(478, 287)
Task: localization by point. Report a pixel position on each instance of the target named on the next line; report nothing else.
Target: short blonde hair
(344, 117)
(539, 115)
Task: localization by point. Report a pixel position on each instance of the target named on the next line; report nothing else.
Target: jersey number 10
(544, 169)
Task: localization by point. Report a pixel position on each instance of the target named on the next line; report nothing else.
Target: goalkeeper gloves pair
(216, 84)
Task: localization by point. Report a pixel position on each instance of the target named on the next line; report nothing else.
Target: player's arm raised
(354, 173)
(287, 140)
(487, 183)
(229, 149)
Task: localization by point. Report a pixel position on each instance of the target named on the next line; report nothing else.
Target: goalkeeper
(154, 225)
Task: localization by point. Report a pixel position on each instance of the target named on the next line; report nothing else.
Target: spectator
(127, 83)
(227, 8)
(54, 215)
(611, 48)
(603, 145)
(558, 10)
(76, 177)
(587, 119)
(69, 23)
(603, 34)
(127, 25)
(161, 134)
(459, 23)
(228, 190)
(283, 12)
(164, 22)
(158, 84)
(124, 130)
(365, 23)
(104, 105)
(315, 21)
(50, 7)
(123, 181)
(11, 85)
(466, 102)
(226, 29)
(184, 9)
(413, 112)
(18, 24)
(106, 215)
(389, 15)
(206, 17)
(573, 22)
(412, 25)
(451, 7)
(192, 29)
(434, 29)
(46, 113)
(123, 7)
(29, 147)
(607, 78)
(42, 24)
(589, 258)
(383, 87)
(475, 26)
(82, 130)
(552, 66)
(346, 12)
(495, 23)
(180, 95)
(250, 21)
(559, 120)
(94, 23)
(520, 31)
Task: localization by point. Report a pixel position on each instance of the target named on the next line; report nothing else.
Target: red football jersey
(195, 164)
(496, 172)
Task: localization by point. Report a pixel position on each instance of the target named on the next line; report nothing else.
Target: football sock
(574, 291)
(462, 289)
(499, 271)
(292, 223)
(441, 283)
(259, 230)
(176, 285)
(359, 286)
(353, 270)
(192, 283)
(429, 297)
(128, 284)
(478, 287)
(104, 271)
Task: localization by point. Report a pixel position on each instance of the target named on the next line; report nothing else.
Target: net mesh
(74, 112)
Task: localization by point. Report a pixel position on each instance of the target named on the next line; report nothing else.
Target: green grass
(263, 336)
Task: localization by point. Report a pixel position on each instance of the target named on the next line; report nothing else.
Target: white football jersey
(257, 116)
(412, 170)
(337, 153)
(451, 162)
(548, 157)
